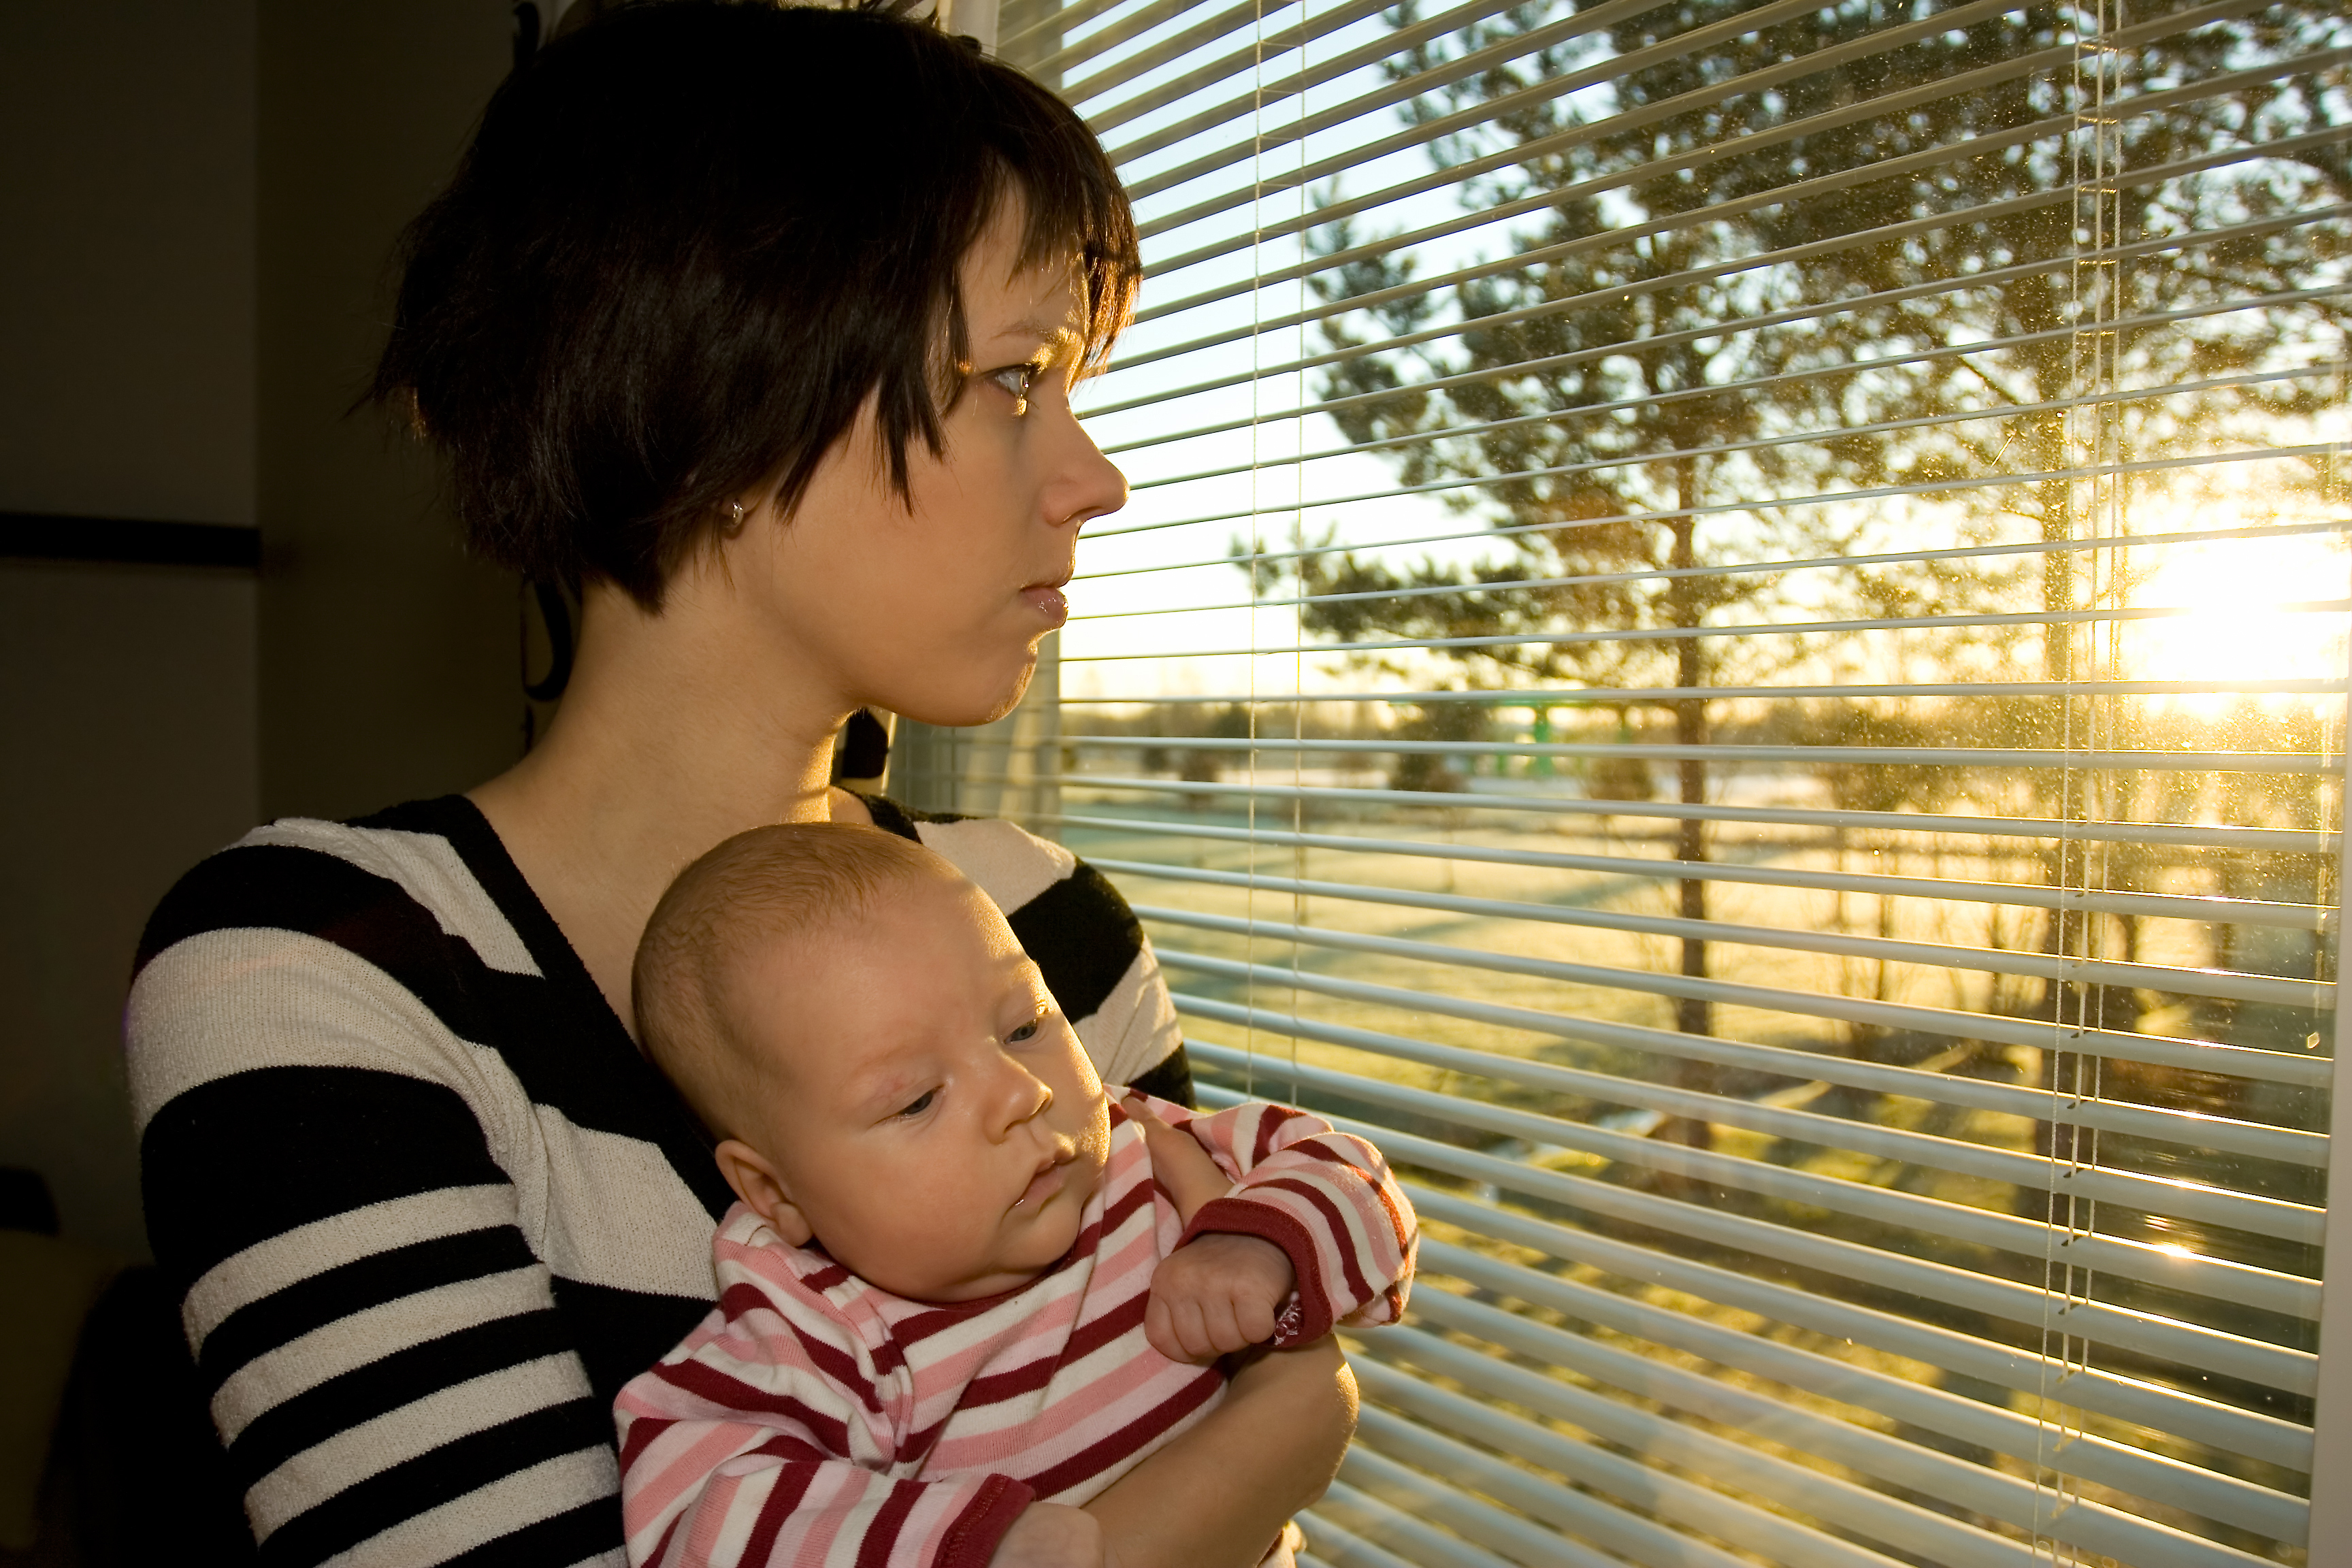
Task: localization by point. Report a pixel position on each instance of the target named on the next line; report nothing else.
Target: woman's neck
(674, 734)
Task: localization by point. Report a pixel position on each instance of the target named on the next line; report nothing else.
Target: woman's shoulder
(385, 945)
(373, 886)
(1013, 865)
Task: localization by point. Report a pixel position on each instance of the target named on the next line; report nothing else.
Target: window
(1732, 638)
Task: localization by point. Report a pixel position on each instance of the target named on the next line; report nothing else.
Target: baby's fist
(1217, 1294)
(1052, 1535)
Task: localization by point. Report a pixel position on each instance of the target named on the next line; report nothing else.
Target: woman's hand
(1267, 1450)
(1053, 1535)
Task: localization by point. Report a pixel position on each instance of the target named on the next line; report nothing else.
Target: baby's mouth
(1050, 1177)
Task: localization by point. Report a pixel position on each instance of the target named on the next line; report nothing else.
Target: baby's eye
(920, 1103)
(1027, 1031)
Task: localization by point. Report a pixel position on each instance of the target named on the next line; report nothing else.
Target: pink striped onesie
(815, 1420)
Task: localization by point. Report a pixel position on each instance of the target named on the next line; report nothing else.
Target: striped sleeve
(1326, 1198)
(766, 1438)
(381, 1348)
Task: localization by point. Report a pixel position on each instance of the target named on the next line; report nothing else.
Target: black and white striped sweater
(430, 1208)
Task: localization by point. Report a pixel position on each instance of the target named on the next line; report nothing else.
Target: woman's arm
(378, 1342)
(1266, 1451)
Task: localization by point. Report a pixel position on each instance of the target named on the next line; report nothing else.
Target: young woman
(759, 326)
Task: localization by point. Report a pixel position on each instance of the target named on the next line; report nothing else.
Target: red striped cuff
(1310, 1318)
(971, 1540)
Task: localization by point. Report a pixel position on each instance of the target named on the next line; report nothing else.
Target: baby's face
(933, 1116)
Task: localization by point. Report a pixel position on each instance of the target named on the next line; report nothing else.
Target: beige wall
(126, 703)
(128, 716)
(198, 199)
(126, 276)
(388, 659)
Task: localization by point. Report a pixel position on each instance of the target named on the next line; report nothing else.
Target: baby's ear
(755, 1181)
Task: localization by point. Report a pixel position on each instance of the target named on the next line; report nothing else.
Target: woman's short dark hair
(686, 244)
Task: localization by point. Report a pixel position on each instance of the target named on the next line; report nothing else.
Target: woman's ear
(755, 1181)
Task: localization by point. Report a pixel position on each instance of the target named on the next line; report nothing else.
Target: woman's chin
(973, 702)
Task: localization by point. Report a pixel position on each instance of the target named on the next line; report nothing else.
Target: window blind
(1731, 639)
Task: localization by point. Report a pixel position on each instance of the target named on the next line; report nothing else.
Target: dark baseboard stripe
(128, 542)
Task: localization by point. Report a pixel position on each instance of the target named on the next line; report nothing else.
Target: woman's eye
(1027, 1031)
(1018, 380)
(922, 1103)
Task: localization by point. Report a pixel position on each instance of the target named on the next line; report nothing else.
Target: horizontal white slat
(1452, 1505)
(1312, 24)
(1568, 696)
(2235, 234)
(1343, 1549)
(1926, 161)
(1617, 292)
(2313, 996)
(1554, 85)
(2287, 1145)
(2006, 550)
(1982, 1489)
(1937, 1537)
(1060, 21)
(1825, 498)
(1996, 1428)
(1777, 1539)
(1161, 51)
(1578, 1512)
(2215, 836)
(1382, 1522)
(1930, 756)
(1570, 417)
(1277, 132)
(1252, 105)
(2118, 397)
(2152, 906)
(1755, 503)
(1949, 1023)
(2010, 1366)
(1091, 44)
(2184, 1344)
(1424, 131)
(2030, 1239)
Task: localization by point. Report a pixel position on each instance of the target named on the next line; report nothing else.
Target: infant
(966, 1288)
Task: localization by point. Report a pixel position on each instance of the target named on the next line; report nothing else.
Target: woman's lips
(1047, 600)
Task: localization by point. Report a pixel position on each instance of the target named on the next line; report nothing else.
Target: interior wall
(200, 201)
(388, 658)
(128, 718)
(126, 283)
(126, 704)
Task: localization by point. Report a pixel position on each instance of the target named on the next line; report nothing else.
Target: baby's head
(886, 1071)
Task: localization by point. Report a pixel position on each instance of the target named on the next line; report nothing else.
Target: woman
(760, 327)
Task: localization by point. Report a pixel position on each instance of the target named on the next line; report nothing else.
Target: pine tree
(1577, 386)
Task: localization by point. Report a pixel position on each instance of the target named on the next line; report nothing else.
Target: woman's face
(932, 604)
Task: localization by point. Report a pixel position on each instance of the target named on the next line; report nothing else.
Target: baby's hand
(1052, 1535)
(1217, 1294)
(1179, 1164)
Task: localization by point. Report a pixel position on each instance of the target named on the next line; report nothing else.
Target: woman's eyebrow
(1049, 334)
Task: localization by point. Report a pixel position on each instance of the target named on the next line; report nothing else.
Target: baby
(964, 1289)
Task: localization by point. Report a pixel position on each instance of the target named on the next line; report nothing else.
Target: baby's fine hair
(769, 885)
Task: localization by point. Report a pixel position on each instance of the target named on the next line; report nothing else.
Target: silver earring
(734, 517)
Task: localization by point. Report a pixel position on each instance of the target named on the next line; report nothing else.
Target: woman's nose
(1092, 486)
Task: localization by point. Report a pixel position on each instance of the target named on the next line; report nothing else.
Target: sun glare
(2237, 624)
